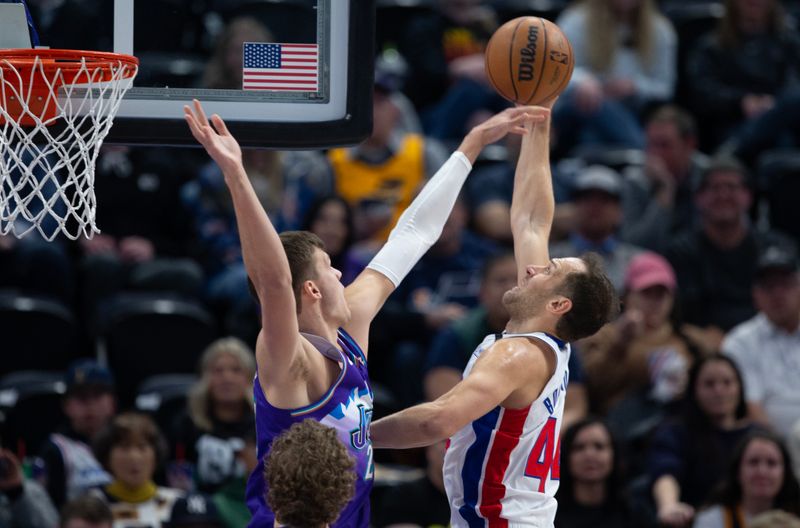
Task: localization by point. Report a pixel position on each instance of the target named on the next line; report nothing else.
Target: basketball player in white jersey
(503, 419)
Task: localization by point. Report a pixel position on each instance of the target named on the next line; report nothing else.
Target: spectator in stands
(145, 244)
(759, 479)
(625, 59)
(419, 502)
(743, 70)
(380, 176)
(331, 219)
(309, 474)
(23, 503)
(194, 511)
(452, 346)
(715, 262)
(220, 414)
(689, 454)
(659, 202)
(448, 82)
(644, 353)
(592, 490)
(131, 449)
(597, 196)
(767, 347)
(70, 468)
(87, 511)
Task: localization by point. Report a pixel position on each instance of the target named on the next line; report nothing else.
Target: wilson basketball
(529, 60)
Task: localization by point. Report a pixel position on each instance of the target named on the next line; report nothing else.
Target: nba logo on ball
(529, 60)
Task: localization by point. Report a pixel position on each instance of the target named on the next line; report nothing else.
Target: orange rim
(68, 61)
(43, 71)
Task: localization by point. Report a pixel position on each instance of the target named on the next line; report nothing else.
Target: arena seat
(142, 335)
(164, 397)
(25, 394)
(25, 345)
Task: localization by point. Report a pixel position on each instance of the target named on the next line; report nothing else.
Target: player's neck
(531, 324)
(315, 323)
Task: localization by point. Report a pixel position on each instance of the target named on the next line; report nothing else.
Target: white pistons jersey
(502, 470)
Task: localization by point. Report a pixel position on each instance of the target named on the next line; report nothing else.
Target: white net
(54, 115)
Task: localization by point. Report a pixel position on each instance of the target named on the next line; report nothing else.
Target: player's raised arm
(532, 204)
(421, 223)
(264, 258)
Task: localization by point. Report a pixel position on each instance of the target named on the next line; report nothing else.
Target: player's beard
(523, 304)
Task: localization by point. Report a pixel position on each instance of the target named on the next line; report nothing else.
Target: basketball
(529, 60)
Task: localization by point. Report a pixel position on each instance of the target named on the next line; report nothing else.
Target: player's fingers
(519, 130)
(193, 125)
(219, 124)
(200, 134)
(191, 121)
(201, 115)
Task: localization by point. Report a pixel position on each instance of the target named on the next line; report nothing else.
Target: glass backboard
(282, 73)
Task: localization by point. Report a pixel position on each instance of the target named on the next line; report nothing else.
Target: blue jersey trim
(351, 345)
(473, 467)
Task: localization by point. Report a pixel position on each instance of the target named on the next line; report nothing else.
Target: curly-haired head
(310, 475)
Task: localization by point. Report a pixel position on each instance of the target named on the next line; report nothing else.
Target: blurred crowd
(127, 359)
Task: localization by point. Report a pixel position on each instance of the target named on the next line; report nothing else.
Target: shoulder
(665, 31)
(746, 333)
(528, 353)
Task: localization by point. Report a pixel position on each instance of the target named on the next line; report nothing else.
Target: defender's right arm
(266, 263)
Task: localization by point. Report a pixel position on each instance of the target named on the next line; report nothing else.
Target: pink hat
(649, 269)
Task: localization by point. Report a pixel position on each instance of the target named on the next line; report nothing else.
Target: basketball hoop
(56, 107)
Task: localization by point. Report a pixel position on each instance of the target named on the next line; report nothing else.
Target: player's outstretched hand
(218, 142)
(515, 120)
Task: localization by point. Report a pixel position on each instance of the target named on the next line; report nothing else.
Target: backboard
(282, 73)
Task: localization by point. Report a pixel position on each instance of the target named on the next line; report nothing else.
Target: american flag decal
(280, 67)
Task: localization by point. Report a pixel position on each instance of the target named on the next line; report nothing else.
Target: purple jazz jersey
(346, 407)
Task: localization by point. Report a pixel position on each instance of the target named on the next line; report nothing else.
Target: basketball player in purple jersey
(502, 420)
(312, 350)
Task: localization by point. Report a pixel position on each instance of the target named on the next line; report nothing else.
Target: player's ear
(559, 305)
(310, 288)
